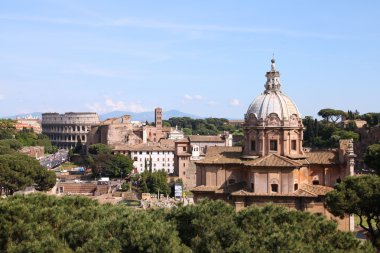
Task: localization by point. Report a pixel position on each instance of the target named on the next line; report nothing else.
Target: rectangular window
(274, 187)
(294, 145)
(184, 148)
(135, 159)
(273, 145)
(253, 145)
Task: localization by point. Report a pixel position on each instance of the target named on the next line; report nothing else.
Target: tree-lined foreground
(40, 223)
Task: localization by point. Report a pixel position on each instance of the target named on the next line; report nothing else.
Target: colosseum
(65, 130)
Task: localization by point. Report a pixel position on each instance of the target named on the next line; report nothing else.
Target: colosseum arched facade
(65, 130)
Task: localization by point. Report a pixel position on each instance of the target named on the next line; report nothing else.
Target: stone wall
(65, 130)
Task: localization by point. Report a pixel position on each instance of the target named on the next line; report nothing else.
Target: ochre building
(272, 165)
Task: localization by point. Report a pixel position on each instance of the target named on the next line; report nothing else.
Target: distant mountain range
(24, 115)
(148, 116)
(142, 116)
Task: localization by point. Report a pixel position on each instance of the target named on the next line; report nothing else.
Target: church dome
(273, 100)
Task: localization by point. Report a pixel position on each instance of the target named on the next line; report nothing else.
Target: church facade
(272, 165)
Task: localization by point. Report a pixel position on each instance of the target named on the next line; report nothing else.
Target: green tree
(18, 171)
(154, 182)
(121, 165)
(358, 195)
(372, 157)
(97, 149)
(9, 146)
(7, 129)
(331, 115)
(209, 226)
(40, 223)
(187, 131)
(275, 229)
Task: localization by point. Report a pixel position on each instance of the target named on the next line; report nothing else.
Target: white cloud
(2, 97)
(188, 97)
(235, 102)
(198, 97)
(110, 105)
(211, 102)
(121, 106)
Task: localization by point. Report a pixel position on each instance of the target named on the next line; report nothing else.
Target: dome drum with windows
(273, 123)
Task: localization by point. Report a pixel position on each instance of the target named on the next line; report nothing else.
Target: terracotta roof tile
(232, 155)
(184, 140)
(222, 155)
(205, 138)
(143, 147)
(273, 160)
(318, 190)
(204, 188)
(323, 157)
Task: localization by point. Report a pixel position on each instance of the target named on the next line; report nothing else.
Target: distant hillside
(24, 115)
(148, 116)
(142, 116)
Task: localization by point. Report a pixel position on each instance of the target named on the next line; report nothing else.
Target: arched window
(315, 182)
(274, 188)
(295, 186)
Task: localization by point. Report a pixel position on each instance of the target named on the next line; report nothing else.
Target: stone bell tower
(158, 117)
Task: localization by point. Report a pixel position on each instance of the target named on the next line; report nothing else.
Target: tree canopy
(372, 157)
(18, 171)
(324, 134)
(40, 223)
(98, 149)
(358, 195)
(25, 137)
(152, 182)
(208, 126)
(331, 115)
(104, 163)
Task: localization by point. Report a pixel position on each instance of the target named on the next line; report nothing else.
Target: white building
(146, 156)
(175, 134)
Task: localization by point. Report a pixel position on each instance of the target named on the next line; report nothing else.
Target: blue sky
(207, 58)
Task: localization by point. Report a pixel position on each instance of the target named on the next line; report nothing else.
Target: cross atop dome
(273, 78)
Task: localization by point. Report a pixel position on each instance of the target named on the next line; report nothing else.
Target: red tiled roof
(184, 140)
(204, 188)
(233, 155)
(273, 160)
(323, 157)
(205, 138)
(143, 147)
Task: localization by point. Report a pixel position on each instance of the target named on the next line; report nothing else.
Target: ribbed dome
(273, 100)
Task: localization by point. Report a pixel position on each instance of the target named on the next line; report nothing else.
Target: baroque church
(272, 165)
